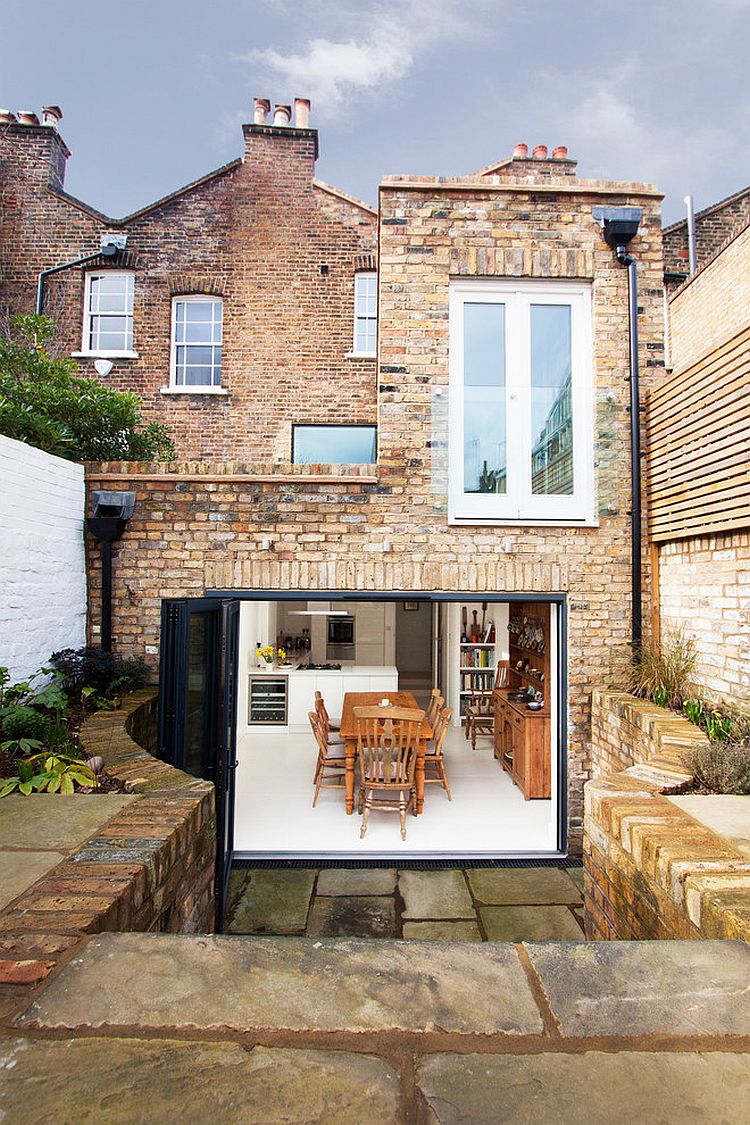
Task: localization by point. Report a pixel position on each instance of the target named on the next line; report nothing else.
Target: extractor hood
(318, 609)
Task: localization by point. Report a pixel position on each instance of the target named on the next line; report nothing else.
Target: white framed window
(520, 405)
(108, 313)
(365, 314)
(196, 343)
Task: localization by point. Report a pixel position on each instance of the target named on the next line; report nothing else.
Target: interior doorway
(414, 648)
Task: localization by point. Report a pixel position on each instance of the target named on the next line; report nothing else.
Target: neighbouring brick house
(511, 253)
(714, 226)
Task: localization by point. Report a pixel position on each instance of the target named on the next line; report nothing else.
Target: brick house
(508, 490)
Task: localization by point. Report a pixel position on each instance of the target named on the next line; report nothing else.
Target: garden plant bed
(653, 869)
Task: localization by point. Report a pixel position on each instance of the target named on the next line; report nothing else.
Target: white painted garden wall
(42, 563)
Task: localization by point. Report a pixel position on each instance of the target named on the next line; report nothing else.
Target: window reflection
(551, 401)
(485, 455)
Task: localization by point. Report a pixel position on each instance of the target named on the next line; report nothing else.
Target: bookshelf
(477, 653)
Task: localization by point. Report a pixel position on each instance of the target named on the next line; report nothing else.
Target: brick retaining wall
(650, 869)
(150, 868)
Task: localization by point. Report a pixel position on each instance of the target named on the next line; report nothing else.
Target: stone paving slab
(587, 1089)
(363, 916)
(54, 821)
(357, 881)
(164, 980)
(647, 988)
(20, 870)
(522, 886)
(442, 931)
(274, 902)
(530, 923)
(435, 894)
(727, 815)
(125, 1081)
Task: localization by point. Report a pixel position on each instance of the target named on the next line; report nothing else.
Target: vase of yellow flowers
(268, 654)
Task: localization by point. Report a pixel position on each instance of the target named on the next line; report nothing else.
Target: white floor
(488, 814)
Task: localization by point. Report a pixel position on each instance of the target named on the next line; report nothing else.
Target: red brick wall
(257, 235)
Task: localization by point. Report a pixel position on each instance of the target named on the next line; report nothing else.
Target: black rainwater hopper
(112, 510)
(619, 225)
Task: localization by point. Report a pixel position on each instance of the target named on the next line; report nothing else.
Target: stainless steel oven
(340, 638)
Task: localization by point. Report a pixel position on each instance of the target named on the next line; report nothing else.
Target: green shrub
(721, 767)
(46, 403)
(662, 670)
(23, 721)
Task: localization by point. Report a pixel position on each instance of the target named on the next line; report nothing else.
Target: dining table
(348, 731)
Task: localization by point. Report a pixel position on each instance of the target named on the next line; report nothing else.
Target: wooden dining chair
(387, 743)
(434, 706)
(480, 709)
(330, 758)
(434, 751)
(331, 729)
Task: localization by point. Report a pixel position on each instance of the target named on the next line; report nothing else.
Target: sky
(154, 92)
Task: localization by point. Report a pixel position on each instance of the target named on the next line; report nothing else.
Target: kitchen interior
(503, 791)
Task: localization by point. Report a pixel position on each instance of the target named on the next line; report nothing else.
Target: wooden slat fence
(698, 446)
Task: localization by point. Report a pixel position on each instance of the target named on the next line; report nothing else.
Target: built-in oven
(340, 638)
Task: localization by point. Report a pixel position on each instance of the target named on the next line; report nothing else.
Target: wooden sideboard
(522, 744)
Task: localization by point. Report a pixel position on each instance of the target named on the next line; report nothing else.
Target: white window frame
(86, 348)
(357, 349)
(192, 388)
(519, 504)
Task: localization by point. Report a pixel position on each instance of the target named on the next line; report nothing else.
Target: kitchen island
(279, 698)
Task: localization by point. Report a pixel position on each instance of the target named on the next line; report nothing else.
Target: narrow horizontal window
(334, 445)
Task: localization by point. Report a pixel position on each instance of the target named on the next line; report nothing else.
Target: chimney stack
(51, 115)
(261, 109)
(282, 115)
(302, 113)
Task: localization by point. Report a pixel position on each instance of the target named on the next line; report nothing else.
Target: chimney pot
(282, 115)
(7, 117)
(301, 113)
(27, 117)
(560, 153)
(520, 152)
(51, 115)
(261, 108)
(540, 152)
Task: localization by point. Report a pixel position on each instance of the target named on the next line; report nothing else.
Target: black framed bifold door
(197, 707)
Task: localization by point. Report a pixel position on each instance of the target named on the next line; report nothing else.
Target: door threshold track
(415, 860)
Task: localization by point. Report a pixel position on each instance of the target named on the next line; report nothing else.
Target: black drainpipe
(112, 510)
(108, 250)
(628, 260)
(620, 224)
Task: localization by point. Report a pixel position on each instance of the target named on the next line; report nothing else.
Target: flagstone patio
(471, 904)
